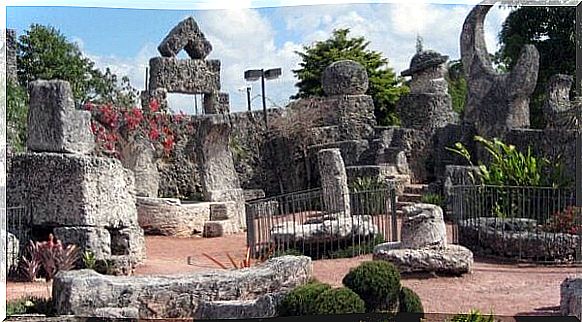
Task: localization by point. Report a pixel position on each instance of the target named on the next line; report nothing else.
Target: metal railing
(536, 224)
(18, 225)
(321, 225)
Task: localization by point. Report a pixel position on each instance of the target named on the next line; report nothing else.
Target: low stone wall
(251, 292)
(494, 236)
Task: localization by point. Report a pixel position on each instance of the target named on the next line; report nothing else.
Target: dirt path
(505, 289)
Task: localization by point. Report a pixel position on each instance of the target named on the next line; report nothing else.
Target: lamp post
(249, 98)
(252, 75)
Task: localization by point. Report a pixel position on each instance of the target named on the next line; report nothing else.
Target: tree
(552, 31)
(44, 53)
(457, 86)
(384, 86)
(16, 116)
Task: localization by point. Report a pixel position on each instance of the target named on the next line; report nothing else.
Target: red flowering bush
(564, 222)
(116, 127)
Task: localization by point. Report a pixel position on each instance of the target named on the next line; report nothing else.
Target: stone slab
(166, 217)
(83, 292)
(185, 76)
(72, 190)
(452, 260)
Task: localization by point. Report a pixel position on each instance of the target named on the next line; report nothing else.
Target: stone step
(417, 189)
(410, 197)
(401, 204)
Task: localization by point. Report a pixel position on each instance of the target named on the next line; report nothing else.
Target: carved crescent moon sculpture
(496, 102)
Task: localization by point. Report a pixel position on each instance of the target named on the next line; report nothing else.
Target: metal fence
(321, 225)
(531, 224)
(18, 225)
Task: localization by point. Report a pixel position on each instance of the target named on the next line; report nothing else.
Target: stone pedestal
(424, 245)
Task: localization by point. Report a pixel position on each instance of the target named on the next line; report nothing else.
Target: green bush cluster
(473, 316)
(409, 302)
(377, 283)
(339, 301)
(373, 286)
(302, 300)
(30, 305)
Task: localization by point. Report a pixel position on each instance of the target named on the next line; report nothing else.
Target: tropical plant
(89, 260)
(51, 255)
(510, 167)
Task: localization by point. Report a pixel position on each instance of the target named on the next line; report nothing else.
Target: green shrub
(432, 198)
(16, 116)
(302, 299)
(473, 316)
(377, 283)
(30, 305)
(409, 301)
(339, 301)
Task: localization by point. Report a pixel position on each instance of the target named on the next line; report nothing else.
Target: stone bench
(216, 293)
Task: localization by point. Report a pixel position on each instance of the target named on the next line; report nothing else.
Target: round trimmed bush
(409, 301)
(377, 283)
(339, 301)
(301, 300)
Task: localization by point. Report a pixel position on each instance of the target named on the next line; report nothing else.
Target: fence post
(394, 220)
(249, 216)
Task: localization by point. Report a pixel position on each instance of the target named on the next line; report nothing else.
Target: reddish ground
(505, 289)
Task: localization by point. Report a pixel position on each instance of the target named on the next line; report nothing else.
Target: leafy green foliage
(432, 198)
(16, 116)
(552, 30)
(473, 316)
(377, 283)
(30, 305)
(89, 260)
(45, 53)
(302, 300)
(369, 196)
(339, 301)
(457, 85)
(409, 302)
(511, 167)
(384, 86)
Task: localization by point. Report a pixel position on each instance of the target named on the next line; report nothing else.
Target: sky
(248, 38)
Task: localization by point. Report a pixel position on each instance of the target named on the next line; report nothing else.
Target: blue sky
(243, 38)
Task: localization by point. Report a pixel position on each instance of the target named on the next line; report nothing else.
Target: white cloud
(245, 38)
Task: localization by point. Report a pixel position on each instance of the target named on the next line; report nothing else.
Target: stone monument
(196, 75)
(83, 200)
(423, 247)
(496, 102)
(428, 106)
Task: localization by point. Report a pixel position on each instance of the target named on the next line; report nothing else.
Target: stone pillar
(159, 94)
(334, 182)
(11, 49)
(54, 125)
(218, 176)
(140, 157)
